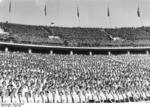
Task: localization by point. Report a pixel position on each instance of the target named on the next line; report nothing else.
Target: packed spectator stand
(52, 78)
(75, 37)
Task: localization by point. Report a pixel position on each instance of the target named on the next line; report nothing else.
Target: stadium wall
(5, 46)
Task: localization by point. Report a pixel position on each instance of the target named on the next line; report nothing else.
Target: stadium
(50, 63)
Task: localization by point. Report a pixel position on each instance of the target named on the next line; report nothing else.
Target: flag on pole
(108, 12)
(138, 12)
(10, 6)
(45, 10)
(78, 13)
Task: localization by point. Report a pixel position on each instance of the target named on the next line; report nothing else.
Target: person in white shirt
(116, 98)
(57, 97)
(124, 96)
(33, 96)
(26, 95)
(110, 96)
(37, 98)
(31, 100)
(129, 95)
(7, 98)
(103, 96)
(135, 95)
(95, 96)
(21, 97)
(83, 98)
(42, 96)
(68, 96)
(79, 96)
(50, 96)
(120, 97)
(144, 95)
(75, 96)
(89, 95)
(2, 97)
(15, 99)
(84, 95)
(47, 97)
(63, 96)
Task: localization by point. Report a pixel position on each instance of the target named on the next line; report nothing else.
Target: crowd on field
(52, 78)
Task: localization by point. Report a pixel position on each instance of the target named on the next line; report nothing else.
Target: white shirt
(143, 94)
(116, 96)
(1, 100)
(129, 94)
(83, 99)
(102, 96)
(50, 96)
(95, 98)
(120, 97)
(147, 93)
(64, 99)
(110, 96)
(16, 99)
(39, 99)
(23, 99)
(69, 98)
(57, 97)
(124, 96)
(7, 99)
(36, 99)
(31, 100)
(89, 95)
(135, 95)
(45, 98)
(76, 97)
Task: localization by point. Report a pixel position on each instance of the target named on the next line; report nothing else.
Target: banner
(45, 10)
(138, 12)
(108, 12)
(10, 6)
(78, 14)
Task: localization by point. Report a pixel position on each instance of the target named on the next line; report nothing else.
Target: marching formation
(50, 78)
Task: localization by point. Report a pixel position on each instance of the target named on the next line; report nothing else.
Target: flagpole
(139, 14)
(108, 16)
(45, 13)
(9, 19)
(78, 14)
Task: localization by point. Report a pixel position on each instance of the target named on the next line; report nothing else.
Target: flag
(10, 6)
(45, 10)
(108, 12)
(138, 12)
(52, 23)
(78, 13)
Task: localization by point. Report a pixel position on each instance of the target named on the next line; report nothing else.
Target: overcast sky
(93, 13)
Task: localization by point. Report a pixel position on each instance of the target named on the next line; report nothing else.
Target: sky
(93, 13)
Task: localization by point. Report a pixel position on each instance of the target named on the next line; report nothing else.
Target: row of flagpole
(78, 14)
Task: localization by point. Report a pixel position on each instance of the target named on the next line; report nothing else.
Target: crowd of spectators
(28, 34)
(76, 37)
(52, 78)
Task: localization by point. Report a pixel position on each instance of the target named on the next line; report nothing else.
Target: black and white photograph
(74, 52)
